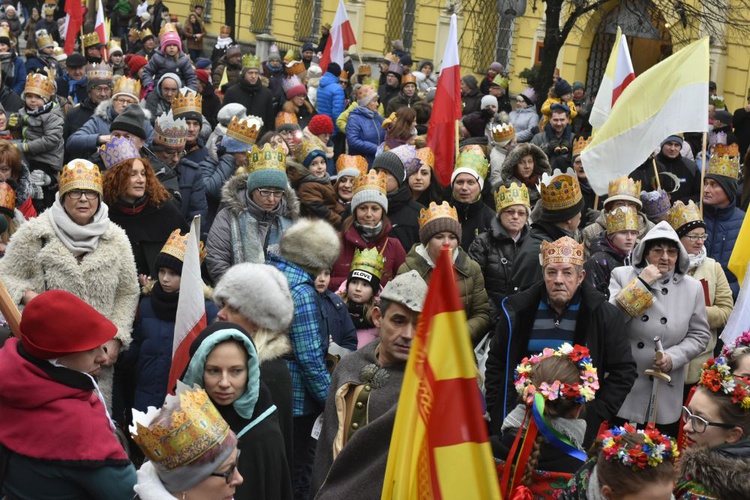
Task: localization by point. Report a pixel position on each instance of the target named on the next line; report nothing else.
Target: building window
(493, 36)
(261, 16)
(400, 22)
(206, 8)
(307, 20)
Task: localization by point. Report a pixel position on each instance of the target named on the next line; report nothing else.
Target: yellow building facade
(485, 36)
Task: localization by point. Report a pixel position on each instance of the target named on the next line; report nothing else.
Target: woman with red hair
(14, 172)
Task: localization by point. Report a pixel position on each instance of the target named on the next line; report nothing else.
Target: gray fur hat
(312, 244)
(260, 293)
(408, 289)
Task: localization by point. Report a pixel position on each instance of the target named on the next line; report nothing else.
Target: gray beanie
(260, 293)
(369, 196)
(408, 289)
(470, 81)
(391, 163)
(131, 121)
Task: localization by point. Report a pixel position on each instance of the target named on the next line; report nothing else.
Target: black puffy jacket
(475, 218)
(603, 260)
(403, 213)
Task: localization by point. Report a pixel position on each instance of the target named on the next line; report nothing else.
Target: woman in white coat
(660, 300)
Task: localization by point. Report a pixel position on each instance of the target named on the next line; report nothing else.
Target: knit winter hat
(578, 86)
(470, 81)
(369, 188)
(562, 87)
(131, 121)
(334, 69)
(497, 67)
(728, 185)
(672, 138)
(135, 63)
(204, 76)
(320, 124)
(266, 178)
(170, 38)
(259, 292)
(488, 100)
(229, 110)
(437, 219)
(391, 163)
(312, 244)
(408, 289)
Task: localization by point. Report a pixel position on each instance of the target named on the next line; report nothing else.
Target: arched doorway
(648, 38)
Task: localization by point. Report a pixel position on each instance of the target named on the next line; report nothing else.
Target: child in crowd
(314, 189)
(738, 355)
(341, 333)
(170, 59)
(361, 290)
(560, 93)
(153, 331)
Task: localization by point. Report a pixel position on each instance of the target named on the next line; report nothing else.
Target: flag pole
(656, 173)
(596, 202)
(703, 168)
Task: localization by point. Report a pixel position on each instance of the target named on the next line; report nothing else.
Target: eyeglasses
(511, 213)
(268, 193)
(123, 100)
(229, 474)
(102, 88)
(671, 252)
(76, 194)
(700, 424)
(696, 237)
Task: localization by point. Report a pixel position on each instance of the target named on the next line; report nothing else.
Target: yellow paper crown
(7, 197)
(268, 158)
(39, 84)
(306, 148)
(245, 130)
(435, 211)
(134, 32)
(369, 261)
(193, 429)
(512, 195)
(90, 40)
(351, 162)
(621, 219)
(102, 71)
(580, 144)
(145, 34)
(4, 32)
(80, 174)
(566, 250)
(408, 78)
(426, 156)
(560, 190)
(43, 39)
(295, 68)
(125, 85)
(250, 61)
(187, 101)
(286, 118)
(170, 132)
(114, 45)
(624, 186)
(49, 8)
(474, 161)
(167, 28)
(176, 246)
(503, 132)
(681, 214)
(372, 181)
(725, 161)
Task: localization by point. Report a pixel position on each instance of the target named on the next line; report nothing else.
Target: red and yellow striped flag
(439, 447)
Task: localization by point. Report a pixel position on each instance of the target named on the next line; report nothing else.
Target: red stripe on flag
(181, 356)
(455, 420)
(441, 134)
(620, 88)
(347, 35)
(325, 59)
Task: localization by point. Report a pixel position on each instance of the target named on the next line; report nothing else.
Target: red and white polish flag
(340, 39)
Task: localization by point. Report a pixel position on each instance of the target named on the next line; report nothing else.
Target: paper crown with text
(372, 181)
(514, 194)
(266, 158)
(176, 246)
(566, 250)
(621, 219)
(435, 211)
(560, 190)
(245, 130)
(368, 260)
(725, 161)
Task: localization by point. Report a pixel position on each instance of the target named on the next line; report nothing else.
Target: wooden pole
(9, 310)
(703, 168)
(656, 173)
(596, 202)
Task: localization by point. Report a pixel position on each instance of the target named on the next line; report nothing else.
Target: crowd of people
(595, 320)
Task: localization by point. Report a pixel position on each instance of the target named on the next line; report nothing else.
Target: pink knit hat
(170, 38)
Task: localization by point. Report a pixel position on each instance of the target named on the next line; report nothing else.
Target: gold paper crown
(176, 246)
(351, 162)
(145, 34)
(475, 161)
(49, 8)
(624, 186)
(503, 132)
(193, 429)
(39, 84)
(512, 195)
(134, 32)
(167, 28)
(114, 45)
(43, 39)
(308, 147)
(426, 156)
(250, 61)
(391, 57)
(289, 56)
(295, 68)
(725, 161)
(621, 219)
(268, 158)
(4, 32)
(566, 250)
(286, 118)
(681, 214)
(560, 190)
(580, 144)
(245, 130)
(7, 197)
(90, 39)
(118, 150)
(60, 54)
(369, 261)
(372, 181)
(101, 71)
(435, 211)
(80, 174)
(408, 78)
(125, 85)
(187, 101)
(170, 132)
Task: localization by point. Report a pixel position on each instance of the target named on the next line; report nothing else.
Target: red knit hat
(57, 323)
(135, 62)
(203, 76)
(320, 124)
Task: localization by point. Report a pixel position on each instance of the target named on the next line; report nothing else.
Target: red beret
(203, 76)
(57, 323)
(320, 124)
(134, 63)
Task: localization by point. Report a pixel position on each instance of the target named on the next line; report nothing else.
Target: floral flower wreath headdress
(741, 341)
(717, 377)
(656, 448)
(581, 392)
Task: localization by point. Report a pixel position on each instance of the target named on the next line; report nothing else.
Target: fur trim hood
(722, 470)
(541, 163)
(312, 244)
(271, 345)
(102, 111)
(233, 197)
(661, 231)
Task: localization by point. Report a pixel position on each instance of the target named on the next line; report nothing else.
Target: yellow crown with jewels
(118, 150)
(475, 161)
(145, 34)
(125, 85)
(560, 190)
(681, 214)
(245, 130)
(503, 132)
(90, 40)
(368, 260)
(176, 246)
(192, 429)
(167, 28)
(250, 61)
(187, 101)
(621, 219)
(580, 144)
(512, 195)
(372, 181)
(351, 162)
(725, 161)
(101, 71)
(49, 8)
(39, 84)
(7, 198)
(624, 186)
(308, 147)
(268, 158)
(80, 174)
(435, 211)
(170, 132)
(426, 156)
(43, 39)
(566, 250)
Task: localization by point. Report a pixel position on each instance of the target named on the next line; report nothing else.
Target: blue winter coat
(151, 349)
(331, 99)
(215, 174)
(159, 64)
(364, 133)
(338, 321)
(722, 228)
(193, 192)
(19, 82)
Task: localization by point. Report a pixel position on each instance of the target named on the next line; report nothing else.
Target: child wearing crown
(170, 59)
(360, 292)
(313, 185)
